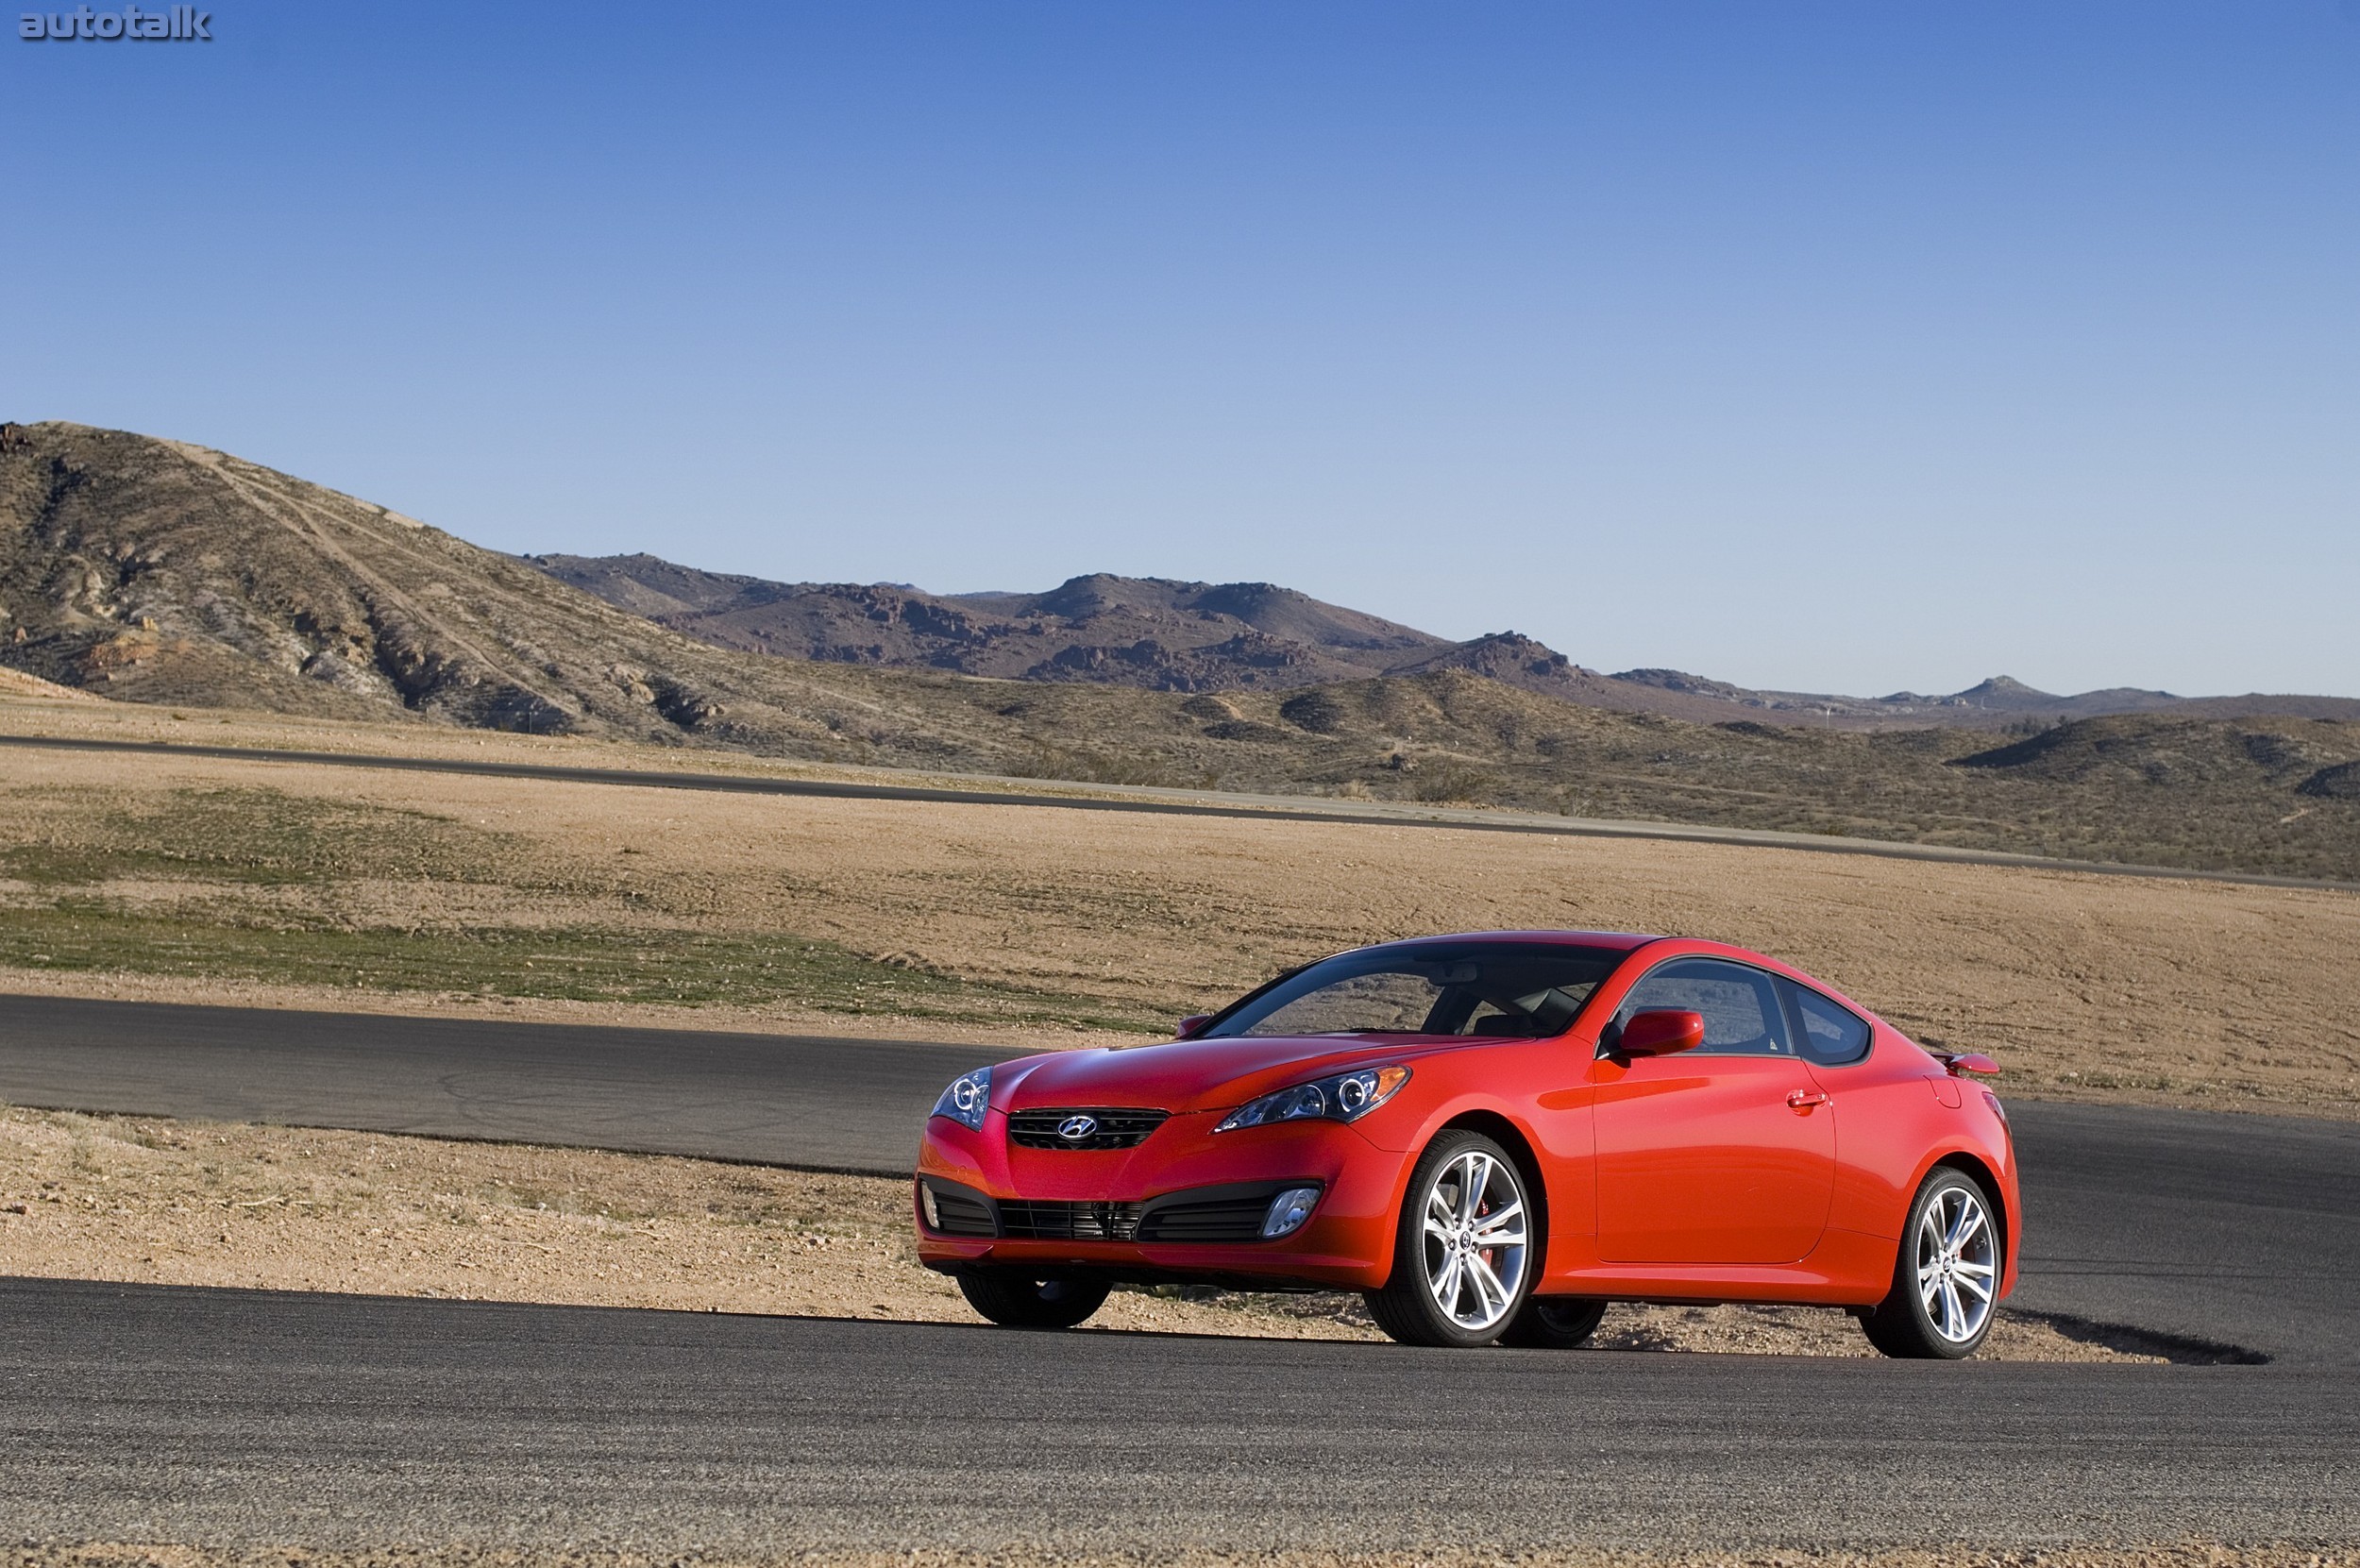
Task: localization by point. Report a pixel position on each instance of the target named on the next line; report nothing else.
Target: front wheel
(1014, 1298)
(1461, 1259)
(1946, 1282)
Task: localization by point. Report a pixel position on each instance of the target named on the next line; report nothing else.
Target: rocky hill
(156, 571)
(1162, 635)
(1137, 632)
(1149, 632)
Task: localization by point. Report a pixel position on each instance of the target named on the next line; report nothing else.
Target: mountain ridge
(1167, 634)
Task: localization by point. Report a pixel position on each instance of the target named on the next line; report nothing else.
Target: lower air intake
(1226, 1218)
(1054, 1222)
(956, 1214)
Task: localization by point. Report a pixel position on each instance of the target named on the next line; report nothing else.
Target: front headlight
(967, 1099)
(1346, 1097)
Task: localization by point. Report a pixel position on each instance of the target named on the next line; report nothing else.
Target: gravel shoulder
(226, 1203)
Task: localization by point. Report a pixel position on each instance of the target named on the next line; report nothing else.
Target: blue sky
(1812, 346)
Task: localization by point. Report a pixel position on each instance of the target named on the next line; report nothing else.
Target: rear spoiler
(1957, 1062)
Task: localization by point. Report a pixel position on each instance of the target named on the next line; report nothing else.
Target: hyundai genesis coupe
(1491, 1136)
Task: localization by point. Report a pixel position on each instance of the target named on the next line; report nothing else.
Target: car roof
(1618, 941)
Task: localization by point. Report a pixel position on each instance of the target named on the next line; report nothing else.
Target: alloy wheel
(1475, 1240)
(1958, 1264)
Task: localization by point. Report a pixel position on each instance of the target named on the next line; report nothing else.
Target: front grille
(1115, 1129)
(1229, 1218)
(1030, 1220)
(960, 1214)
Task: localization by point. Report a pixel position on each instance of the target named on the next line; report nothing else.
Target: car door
(1721, 1154)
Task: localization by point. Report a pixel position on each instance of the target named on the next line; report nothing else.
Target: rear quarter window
(1829, 1033)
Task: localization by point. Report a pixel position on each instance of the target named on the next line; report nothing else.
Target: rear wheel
(1946, 1282)
(1016, 1298)
(1461, 1256)
(1555, 1322)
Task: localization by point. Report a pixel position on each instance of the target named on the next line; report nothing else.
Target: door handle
(1804, 1099)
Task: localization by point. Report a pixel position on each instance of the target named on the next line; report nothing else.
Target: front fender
(1554, 1148)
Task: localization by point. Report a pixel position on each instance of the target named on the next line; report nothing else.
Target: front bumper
(1170, 1209)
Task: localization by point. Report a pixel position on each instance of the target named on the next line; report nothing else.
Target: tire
(1555, 1322)
(1459, 1280)
(1014, 1298)
(1945, 1278)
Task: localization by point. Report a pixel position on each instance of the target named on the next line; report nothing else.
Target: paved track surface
(837, 1105)
(2238, 1229)
(1168, 802)
(233, 1416)
(152, 1414)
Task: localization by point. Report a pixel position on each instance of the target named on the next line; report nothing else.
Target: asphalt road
(836, 1105)
(2239, 1229)
(1159, 801)
(146, 1413)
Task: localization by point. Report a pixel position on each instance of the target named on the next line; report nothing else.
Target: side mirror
(1192, 1026)
(1660, 1032)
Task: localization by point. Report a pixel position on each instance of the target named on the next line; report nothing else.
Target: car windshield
(1513, 990)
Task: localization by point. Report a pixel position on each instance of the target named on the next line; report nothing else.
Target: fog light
(926, 1206)
(1289, 1210)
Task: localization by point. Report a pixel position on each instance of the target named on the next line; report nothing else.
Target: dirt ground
(1026, 922)
(195, 1203)
(2173, 1554)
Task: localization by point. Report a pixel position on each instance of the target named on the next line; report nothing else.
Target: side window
(1740, 1005)
(1833, 1035)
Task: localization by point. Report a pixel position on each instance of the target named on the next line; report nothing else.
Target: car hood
(1197, 1075)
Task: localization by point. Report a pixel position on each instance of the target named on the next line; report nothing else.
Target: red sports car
(1491, 1136)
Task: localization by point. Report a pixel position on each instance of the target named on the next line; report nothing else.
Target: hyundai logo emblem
(1073, 1129)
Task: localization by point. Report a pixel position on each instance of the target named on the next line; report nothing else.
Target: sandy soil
(193, 1203)
(2176, 1554)
(2084, 985)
